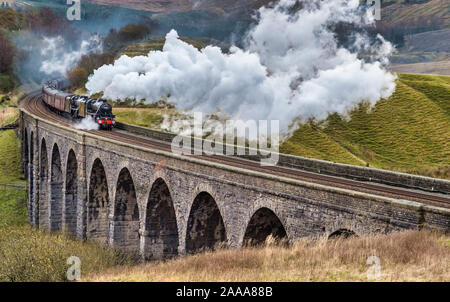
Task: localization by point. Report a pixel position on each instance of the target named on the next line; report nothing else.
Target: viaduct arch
(43, 217)
(161, 228)
(161, 205)
(98, 204)
(126, 214)
(71, 194)
(56, 194)
(205, 228)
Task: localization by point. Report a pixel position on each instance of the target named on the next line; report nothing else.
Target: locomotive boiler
(77, 106)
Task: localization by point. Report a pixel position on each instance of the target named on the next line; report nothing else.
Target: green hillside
(408, 132)
(417, 15)
(12, 199)
(10, 171)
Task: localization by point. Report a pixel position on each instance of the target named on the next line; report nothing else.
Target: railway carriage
(77, 106)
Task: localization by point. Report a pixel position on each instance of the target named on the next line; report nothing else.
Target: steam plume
(58, 59)
(88, 123)
(45, 58)
(292, 67)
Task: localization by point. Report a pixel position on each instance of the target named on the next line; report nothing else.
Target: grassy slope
(219, 6)
(144, 117)
(438, 67)
(10, 171)
(408, 132)
(393, 10)
(13, 208)
(409, 14)
(12, 201)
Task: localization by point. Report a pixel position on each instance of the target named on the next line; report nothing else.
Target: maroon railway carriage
(78, 106)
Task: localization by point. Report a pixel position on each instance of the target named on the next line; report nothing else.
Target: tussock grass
(30, 254)
(8, 116)
(406, 256)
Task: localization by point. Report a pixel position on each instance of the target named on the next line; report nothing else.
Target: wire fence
(10, 186)
(7, 128)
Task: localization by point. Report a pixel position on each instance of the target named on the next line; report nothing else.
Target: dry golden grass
(406, 256)
(29, 254)
(8, 115)
(440, 67)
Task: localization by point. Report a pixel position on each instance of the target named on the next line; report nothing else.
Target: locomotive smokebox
(105, 107)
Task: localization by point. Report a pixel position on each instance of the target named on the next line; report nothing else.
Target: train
(77, 106)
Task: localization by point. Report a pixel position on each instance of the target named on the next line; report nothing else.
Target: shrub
(77, 77)
(6, 83)
(128, 33)
(95, 61)
(133, 32)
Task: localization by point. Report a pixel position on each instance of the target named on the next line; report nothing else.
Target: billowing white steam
(292, 67)
(58, 59)
(88, 123)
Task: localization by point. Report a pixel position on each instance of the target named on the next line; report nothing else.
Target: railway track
(34, 105)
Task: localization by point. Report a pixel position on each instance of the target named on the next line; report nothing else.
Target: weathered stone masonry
(159, 205)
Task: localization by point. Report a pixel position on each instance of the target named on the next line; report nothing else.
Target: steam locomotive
(77, 106)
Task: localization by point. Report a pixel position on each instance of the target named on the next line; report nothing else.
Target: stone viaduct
(159, 204)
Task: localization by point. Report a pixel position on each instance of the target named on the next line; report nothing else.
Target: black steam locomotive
(76, 105)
